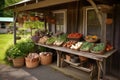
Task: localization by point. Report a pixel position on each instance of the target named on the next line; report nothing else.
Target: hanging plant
(51, 19)
(37, 18)
(24, 17)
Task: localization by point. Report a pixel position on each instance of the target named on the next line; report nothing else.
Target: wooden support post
(59, 58)
(104, 67)
(14, 29)
(99, 70)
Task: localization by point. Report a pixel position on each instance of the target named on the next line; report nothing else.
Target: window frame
(64, 11)
(103, 27)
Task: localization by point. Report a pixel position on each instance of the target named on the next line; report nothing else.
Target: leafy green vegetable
(51, 40)
(99, 47)
(86, 46)
(62, 38)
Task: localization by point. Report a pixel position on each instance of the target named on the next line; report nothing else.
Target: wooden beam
(41, 4)
(99, 14)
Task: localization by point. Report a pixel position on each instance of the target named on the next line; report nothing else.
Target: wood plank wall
(74, 15)
(113, 63)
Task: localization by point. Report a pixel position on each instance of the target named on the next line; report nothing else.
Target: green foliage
(26, 46)
(14, 52)
(42, 49)
(9, 13)
(34, 24)
(20, 49)
(1, 6)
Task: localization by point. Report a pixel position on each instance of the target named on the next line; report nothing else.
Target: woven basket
(46, 59)
(68, 57)
(18, 62)
(91, 40)
(31, 63)
(98, 52)
(83, 59)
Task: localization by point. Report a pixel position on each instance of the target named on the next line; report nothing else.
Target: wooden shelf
(77, 65)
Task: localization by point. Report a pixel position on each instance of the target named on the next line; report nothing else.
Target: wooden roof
(35, 4)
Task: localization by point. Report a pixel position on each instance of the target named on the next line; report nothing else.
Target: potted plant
(18, 52)
(16, 55)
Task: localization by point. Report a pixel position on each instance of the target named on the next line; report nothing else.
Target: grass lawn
(5, 41)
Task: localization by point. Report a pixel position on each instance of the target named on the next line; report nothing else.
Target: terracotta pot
(24, 18)
(18, 62)
(32, 18)
(52, 21)
(37, 18)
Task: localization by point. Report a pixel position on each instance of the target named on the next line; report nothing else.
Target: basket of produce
(46, 58)
(91, 38)
(68, 44)
(32, 60)
(43, 39)
(60, 40)
(51, 40)
(76, 46)
(74, 36)
(98, 48)
(86, 46)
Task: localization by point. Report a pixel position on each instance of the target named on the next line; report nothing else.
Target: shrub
(20, 49)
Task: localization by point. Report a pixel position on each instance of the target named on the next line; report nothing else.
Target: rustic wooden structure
(76, 21)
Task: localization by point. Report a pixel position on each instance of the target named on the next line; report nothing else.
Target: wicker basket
(31, 63)
(91, 40)
(46, 59)
(68, 57)
(18, 62)
(98, 52)
(75, 39)
(83, 59)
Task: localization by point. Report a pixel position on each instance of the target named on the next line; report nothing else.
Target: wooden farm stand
(78, 18)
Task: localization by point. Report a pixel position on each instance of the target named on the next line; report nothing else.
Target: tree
(1, 7)
(9, 13)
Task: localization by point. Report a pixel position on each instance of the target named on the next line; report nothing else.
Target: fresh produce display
(74, 35)
(76, 46)
(60, 39)
(91, 38)
(86, 46)
(43, 39)
(68, 44)
(98, 48)
(51, 40)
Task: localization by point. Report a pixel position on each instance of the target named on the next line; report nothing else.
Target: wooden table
(100, 59)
